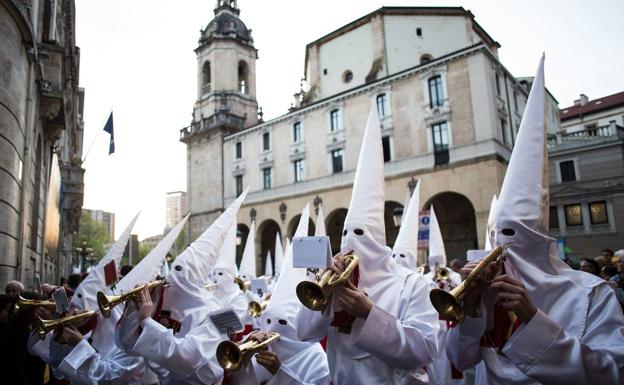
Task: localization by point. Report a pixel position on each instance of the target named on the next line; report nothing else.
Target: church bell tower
(226, 103)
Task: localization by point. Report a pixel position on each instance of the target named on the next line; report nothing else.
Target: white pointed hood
(268, 269)
(247, 267)
(521, 217)
(490, 222)
(406, 245)
(186, 298)
(320, 223)
(279, 254)
(145, 271)
(364, 227)
(225, 268)
(437, 253)
(284, 304)
(84, 297)
(406, 202)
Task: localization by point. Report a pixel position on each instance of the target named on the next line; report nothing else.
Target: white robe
(235, 300)
(83, 365)
(541, 352)
(50, 351)
(439, 370)
(187, 360)
(384, 348)
(308, 367)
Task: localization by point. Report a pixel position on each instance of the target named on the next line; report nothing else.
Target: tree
(94, 234)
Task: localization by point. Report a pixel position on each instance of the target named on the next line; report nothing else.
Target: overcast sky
(137, 57)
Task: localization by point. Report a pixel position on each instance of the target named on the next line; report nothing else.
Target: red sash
(343, 320)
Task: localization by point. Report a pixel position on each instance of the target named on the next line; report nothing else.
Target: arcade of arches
(455, 213)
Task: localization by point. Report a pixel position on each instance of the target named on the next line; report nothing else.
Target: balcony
(220, 119)
(590, 136)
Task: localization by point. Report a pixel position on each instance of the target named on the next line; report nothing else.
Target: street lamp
(84, 251)
(397, 215)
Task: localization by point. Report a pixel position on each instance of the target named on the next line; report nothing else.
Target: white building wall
(440, 35)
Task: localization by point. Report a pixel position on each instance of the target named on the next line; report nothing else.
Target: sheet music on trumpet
(311, 252)
(226, 321)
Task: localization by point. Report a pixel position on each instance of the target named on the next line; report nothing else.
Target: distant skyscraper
(105, 218)
(177, 208)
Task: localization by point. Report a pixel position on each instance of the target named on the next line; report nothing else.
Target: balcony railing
(587, 136)
(220, 119)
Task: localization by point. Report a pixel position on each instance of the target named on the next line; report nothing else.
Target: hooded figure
(320, 223)
(279, 255)
(89, 363)
(247, 272)
(437, 255)
(569, 326)
(184, 352)
(490, 223)
(406, 244)
(394, 329)
(223, 275)
(300, 362)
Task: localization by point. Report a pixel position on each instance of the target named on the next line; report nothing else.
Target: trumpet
(23, 303)
(230, 355)
(256, 309)
(449, 304)
(243, 284)
(44, 326)
(107, 302)
(441, 274)
(211, 287)
(311, 294)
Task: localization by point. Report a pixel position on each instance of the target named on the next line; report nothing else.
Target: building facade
(587, 176)
(106, 219)
(449, 111)
(177, 208)
(41, 132)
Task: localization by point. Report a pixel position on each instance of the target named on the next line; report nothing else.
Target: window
(266, 178)
(440, 143)
(266, 141)
(206, 78)
(598, 213)
(426, 58)
(238, 184)
(333, 119)
(498, 87)
(515, 96)
(418, 31)
(553, 218)
(299, 170)
(568, 173)
(297, 132)
(243, 84)
(238, 150)
(385, 143)
(382, 105)
(436, 95)
(337, 159)
(503, 125)
(573, 215)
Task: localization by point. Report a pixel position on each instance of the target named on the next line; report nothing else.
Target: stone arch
(243, 77)
(266, 235)
(392, 231)
(334, 224)
(294, 222)
(242, 232)
(456, 216)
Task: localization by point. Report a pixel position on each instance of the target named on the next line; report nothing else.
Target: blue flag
(108, 127)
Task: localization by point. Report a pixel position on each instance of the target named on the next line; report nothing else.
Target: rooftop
(584, 106)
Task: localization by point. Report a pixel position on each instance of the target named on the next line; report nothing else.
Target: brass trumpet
(44, 326)
(449, 304)
(311, 294)
(230, 355)
(107, 302)
(22, 303)
(256, 309)
(243, 284)
(441, 274)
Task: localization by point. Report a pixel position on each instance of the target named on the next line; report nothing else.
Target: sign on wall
(423, 230)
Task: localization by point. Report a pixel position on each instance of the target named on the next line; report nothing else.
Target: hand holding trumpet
(268, 359)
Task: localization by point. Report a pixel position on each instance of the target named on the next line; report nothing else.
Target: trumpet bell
(229, 355)
(104, 303)
(447, 305)
(311, 296)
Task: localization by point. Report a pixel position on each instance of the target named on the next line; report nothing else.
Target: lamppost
(84, 250)
(397, 215)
